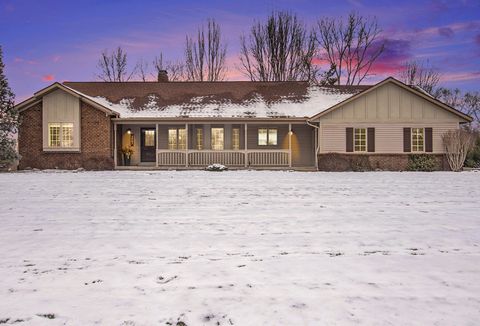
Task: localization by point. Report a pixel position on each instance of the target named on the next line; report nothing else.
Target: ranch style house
(240, 124)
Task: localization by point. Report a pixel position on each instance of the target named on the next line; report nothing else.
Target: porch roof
(236, 99)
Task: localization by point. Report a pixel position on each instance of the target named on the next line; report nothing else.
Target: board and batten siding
(61, 107)
(388, 109)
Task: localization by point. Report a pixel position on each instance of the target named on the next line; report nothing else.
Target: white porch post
(156, 144)
(290, 145)
(246, 147)
(115, 154)
(186, 145)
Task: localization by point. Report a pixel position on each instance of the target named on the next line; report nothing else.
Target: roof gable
(413, 90)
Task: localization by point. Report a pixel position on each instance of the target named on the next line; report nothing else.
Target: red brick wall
(95, 143)
(385, 162)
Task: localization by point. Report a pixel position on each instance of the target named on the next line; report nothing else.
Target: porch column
(290, 145)
(186, 145)
(115, 154)
(156, 144)
(246, 147)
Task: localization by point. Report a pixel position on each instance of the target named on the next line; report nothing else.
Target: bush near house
(473, 157)
(421, 162)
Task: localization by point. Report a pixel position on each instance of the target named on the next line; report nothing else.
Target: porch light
(290, 132)
(129, 131)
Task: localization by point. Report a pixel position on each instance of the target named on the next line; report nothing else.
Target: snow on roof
(316, 100)
(215, 99)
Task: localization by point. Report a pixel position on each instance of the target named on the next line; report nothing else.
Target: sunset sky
(47, 41)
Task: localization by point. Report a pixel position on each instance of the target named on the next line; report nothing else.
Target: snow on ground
(239, 248)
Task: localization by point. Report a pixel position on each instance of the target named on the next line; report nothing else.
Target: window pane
(236, 138)
(417, 140)
(272, 136)
(262, 137)
(67, 135)
(172, 138)
(54, 135)
(217, 139)
(149, 138)
(182, 139)
(199, 138)
(360, 140)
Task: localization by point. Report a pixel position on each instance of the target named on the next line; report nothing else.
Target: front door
(147, 145)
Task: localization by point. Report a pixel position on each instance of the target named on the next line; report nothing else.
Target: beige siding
(390, 103)
(388, 109)
(388, 136)
(59, 106)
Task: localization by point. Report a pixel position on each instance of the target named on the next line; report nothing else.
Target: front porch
(167, 145)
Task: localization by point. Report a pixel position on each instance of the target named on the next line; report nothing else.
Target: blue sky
(47, 41)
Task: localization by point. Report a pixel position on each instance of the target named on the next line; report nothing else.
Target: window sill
(61, 150)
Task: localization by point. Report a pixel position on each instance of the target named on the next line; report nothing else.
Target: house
(240, 124)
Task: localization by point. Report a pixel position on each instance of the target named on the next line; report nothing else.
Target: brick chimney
(162, 76)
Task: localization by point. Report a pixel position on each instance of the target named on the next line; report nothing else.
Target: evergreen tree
(9, 119)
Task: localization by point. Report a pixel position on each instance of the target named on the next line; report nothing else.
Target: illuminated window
(267, 136)
(360, 139)
(236, 138)
(60, 135)
(149, 138)
(217, 139)
(177, 138)
(417, 139)
(199, 136)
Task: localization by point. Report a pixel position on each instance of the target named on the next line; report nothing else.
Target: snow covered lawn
(239, 248)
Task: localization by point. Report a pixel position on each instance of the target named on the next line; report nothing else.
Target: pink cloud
(47, 78)
(460, 76)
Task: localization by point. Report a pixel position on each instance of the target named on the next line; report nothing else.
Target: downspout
(317, 148)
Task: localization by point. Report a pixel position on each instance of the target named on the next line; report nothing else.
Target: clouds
(48, 78)
(395, 54)
(446, 31)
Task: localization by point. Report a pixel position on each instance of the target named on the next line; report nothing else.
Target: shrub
(457, 145)
(333, 162)
(473, 156)
(216, 167)
(421, 162)
(360, 163)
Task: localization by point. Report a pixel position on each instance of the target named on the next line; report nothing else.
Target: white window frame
(177, 145)
(268, 141)
(217, 147)
(417, 138)
(355, 140)
(62, 141)
(236, 139)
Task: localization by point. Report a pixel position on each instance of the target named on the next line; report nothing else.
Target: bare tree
(205, 55)
(468, 103)
(352, 46)
(113, 66)
(175, 69)
(142, 67)
(457, 145)
(278, 49)
(421, 74)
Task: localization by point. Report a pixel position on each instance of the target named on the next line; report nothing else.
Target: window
(360, 140)
(60, 135)
(236, 138)
(418, 140)
(199, 137)
(149, 138)
(177, 138)
(217, 139)
(267, 136)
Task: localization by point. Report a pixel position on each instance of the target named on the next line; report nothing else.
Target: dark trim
(428, 140)
(407, 140)
(371, 139)
(349, 140)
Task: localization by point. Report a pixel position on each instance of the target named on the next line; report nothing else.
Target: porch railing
(228, 157)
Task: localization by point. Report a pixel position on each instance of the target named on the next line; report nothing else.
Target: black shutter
(371, 139)
(428, 140)
(349, 138)
(407, 140)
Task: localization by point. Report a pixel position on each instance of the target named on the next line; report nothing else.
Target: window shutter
(407, 140)
(371, 139)
(428, 140)
(349, 138)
